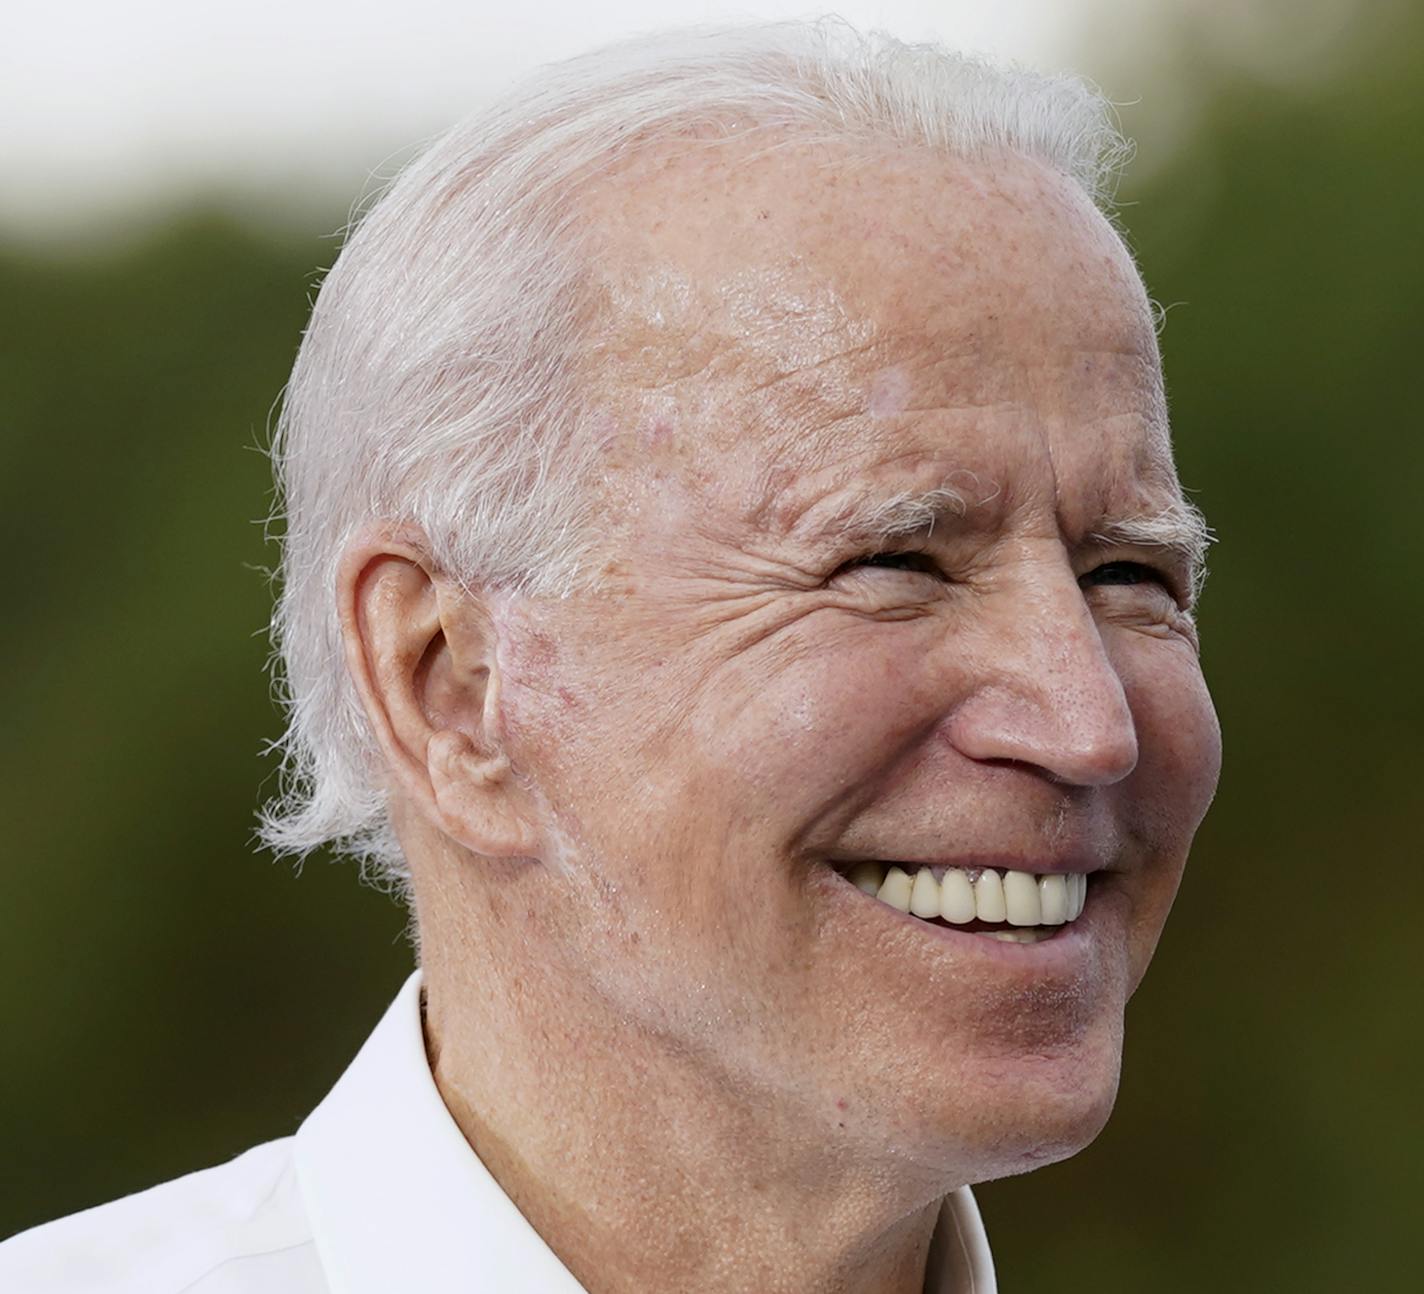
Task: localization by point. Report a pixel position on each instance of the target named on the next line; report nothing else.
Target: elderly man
(736, 581)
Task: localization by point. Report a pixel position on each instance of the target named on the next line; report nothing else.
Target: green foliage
(158, 974)
(161, 976)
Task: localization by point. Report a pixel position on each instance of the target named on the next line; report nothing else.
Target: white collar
(398, 1200)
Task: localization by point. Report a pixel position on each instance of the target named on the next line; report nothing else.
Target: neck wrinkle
(664, 1189)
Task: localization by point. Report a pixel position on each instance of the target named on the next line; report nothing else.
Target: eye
(908, 561)
(1125, 573)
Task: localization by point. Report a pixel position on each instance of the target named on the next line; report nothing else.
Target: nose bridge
(1049, 694)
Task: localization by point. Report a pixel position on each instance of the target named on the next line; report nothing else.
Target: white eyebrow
(878, 519)
(1180, 530)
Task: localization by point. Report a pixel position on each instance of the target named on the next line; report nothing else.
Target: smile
(1011, 906)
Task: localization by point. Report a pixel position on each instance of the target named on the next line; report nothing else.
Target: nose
(1048, 696)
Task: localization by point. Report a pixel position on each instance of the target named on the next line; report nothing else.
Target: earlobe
(475, 798)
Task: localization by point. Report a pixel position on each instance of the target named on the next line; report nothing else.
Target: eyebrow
(878, 518)
(1178, 531)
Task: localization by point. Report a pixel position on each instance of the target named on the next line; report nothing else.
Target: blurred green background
(170, 998)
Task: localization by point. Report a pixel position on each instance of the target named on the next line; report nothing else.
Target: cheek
(558, 713)
(805, 728)
(1179, 741)
(1162, 804)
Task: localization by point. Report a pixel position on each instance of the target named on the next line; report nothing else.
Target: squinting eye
(1123, 573)
(891, 562)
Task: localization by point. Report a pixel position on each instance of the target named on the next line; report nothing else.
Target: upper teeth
(1020, 898)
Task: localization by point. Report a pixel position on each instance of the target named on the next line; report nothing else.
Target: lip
(1062, 866)
(1062, 955)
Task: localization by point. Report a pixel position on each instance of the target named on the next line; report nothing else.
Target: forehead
(807, 315)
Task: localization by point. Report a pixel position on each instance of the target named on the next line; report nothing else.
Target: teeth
(867, 877)
(989, 897)
(1034, 904)
(1053, 900)
(895, 890)
(1021, 905)
(924, 895)
(956, 897)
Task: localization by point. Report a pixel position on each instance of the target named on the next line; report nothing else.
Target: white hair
(437, 382)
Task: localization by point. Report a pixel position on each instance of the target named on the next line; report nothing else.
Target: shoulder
(238, 1227)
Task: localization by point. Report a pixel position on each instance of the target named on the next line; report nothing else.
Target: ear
(421, 652)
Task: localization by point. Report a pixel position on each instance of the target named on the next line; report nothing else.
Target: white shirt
(378, 1193)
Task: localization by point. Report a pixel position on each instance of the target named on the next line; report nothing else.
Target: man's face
(755, 698)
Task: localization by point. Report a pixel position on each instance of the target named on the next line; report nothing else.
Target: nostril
(1076, 737)
(1099, 763)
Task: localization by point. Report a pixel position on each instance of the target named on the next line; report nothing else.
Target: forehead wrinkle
(778, 377)
(798, 361)
(873, 510)
(828, 415)
(788, 330)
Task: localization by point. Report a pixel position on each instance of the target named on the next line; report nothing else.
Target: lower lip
(1064, 952)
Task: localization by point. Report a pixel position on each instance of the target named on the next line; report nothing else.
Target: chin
(1056, 1132)
(1007, 1114)
(1038, 1110)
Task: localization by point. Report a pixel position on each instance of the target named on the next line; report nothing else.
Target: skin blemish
(658, 433)
(541, 651)
(889, 393)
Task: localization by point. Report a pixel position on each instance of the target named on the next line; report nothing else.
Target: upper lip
(1040, 864)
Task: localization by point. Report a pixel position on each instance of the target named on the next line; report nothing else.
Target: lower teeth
(1017, 936)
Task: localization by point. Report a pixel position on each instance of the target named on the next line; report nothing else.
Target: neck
(639, 1165)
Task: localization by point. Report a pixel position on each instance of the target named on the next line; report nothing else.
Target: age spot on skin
(657, 433)
(889, 393)
(541, 651)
